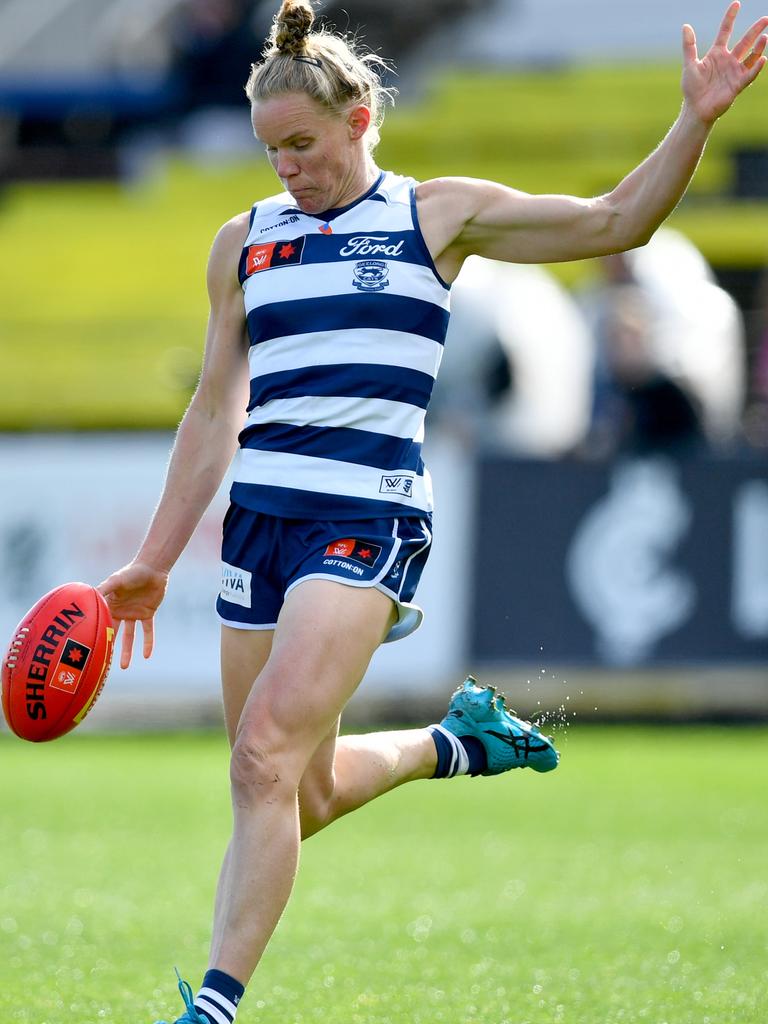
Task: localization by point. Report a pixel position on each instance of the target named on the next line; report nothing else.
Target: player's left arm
(492, 220)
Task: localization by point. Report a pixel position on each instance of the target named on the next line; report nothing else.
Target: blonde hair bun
(292, 25)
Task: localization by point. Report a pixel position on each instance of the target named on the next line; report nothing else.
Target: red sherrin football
(57, 662)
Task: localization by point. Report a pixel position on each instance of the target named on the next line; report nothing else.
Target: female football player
(329, 306)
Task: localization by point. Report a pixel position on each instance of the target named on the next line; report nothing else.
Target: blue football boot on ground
(190, 1016)
(509, 742)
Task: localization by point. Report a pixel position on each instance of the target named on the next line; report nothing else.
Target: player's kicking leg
(478, 736)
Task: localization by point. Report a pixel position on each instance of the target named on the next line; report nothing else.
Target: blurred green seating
(102, 297)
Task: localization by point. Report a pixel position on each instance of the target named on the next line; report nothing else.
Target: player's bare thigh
(358, 618)
(244, 653)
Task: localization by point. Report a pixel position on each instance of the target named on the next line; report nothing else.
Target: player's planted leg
(324, 639)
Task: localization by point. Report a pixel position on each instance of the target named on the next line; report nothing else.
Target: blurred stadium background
(599, 443)
(599, 439)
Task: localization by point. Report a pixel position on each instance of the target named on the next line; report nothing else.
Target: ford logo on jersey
(372, 245)
(371, 275)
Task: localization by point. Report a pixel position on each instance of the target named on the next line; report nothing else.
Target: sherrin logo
(372, 245)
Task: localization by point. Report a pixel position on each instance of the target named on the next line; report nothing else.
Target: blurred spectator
(213, 44)
(475, 372)
(547, 340)
(638, 409)
(517, 362)
(696, 329)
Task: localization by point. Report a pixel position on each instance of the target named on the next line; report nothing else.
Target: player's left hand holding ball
(134, 594)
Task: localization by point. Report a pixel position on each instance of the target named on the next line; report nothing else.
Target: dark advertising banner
(636, 563)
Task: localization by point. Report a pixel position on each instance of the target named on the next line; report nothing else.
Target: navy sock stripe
(229, 987)
(445, 755)
(478, 759)
(221, 992)
(212, 1010)
(449, 762)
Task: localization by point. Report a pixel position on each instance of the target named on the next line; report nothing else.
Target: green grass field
(630, 886)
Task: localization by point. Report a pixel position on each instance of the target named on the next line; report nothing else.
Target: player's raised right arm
(204, 446)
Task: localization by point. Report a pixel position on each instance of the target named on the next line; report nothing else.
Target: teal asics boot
(509, 742)
(190, 1016)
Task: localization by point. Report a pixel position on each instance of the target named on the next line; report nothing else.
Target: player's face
(318, 155)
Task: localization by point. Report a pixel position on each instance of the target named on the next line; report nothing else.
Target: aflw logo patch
(397, 485)
(74, 658)
(268, 255)
(355, 550)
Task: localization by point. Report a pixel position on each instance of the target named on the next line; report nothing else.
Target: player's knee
(257, 772)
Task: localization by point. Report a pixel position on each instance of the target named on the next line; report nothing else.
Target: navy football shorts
(264, 557)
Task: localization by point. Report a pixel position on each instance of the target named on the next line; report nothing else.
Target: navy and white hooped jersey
(346, 318)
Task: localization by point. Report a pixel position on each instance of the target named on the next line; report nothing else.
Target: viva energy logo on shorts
(235, 585)
(269, 255)
(356, 550)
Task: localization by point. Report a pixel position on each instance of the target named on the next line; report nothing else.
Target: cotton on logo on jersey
(355, 550)
(269, 255)
(293, 219)
(235, 585)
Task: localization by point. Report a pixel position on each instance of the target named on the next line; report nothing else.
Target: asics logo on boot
(521, 745)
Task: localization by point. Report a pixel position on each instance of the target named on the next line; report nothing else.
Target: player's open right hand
(133, 594)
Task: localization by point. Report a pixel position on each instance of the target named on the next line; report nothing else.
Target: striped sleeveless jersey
(346, 319)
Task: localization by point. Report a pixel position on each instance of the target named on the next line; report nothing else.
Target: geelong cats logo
(371, 275)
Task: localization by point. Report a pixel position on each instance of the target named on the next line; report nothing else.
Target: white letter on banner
(620, 564)
(749, 602)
